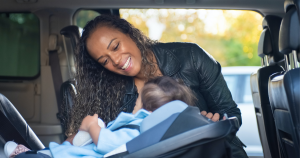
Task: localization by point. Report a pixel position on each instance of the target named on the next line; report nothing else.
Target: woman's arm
(212, 84)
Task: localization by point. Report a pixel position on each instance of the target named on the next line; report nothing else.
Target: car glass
(84, 16)
(19, 45)
(247, 97)
(231, 81)
(230, 36)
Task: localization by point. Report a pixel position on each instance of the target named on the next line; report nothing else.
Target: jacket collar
(167, 62)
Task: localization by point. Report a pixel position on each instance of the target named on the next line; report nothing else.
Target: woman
(115, 60)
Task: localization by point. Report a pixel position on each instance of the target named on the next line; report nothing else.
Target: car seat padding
(189, 119)
(162, 113)
(151, 136)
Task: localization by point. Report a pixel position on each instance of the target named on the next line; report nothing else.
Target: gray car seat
(269, 53)
(284, 88)
(178, 130)
(14, 127)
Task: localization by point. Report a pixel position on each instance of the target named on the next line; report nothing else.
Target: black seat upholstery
(284, 88)
(14, 127)
(268, 51)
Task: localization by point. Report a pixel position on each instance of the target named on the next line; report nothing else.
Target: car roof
(239, 70)
(262, 6)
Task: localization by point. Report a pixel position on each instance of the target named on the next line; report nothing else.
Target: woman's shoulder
(181, 50)
(176, 45)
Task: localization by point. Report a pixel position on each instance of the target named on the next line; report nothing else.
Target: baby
(125, 127)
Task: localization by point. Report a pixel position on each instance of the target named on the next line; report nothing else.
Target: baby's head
(161, 90)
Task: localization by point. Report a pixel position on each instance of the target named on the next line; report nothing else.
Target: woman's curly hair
(100, 91)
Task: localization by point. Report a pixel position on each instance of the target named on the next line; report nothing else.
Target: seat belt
(55, 67)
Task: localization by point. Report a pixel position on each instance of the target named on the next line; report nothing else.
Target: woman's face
(115, 51)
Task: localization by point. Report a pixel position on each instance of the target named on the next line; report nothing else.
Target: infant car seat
(14, 127)
(179, 130)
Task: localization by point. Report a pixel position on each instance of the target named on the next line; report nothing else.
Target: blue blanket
(108, 138)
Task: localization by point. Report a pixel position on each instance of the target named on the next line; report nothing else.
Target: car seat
(14, 127)
(174, 130)
(284, 88)
(68, 91)
(270, 56)
(178, 130)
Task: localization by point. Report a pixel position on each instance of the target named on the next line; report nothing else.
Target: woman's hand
(214, 117)
(88, 121)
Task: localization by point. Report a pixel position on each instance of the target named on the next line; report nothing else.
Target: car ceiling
(265, 7)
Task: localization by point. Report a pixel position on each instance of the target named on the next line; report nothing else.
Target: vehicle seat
(270, 56)
(284, 87)
(178, 130)
(14, 127)
(71, 37)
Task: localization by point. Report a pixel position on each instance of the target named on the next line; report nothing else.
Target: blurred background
(230, 36)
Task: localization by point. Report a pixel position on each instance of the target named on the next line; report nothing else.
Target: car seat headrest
(71, 32)
(265, 43)
(289, 38)
(288, 4)
(162, 113)
(268, 42)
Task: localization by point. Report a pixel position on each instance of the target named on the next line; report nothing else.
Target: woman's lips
(127, 63)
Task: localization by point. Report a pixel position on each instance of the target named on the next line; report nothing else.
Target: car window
(230, 36)
(239, 86)
(83, 16)
(247, 97)
(231, 81)
(19, 45)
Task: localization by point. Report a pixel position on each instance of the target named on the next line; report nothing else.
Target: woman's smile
(127, 65)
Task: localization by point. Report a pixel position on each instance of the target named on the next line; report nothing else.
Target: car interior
(42, 96)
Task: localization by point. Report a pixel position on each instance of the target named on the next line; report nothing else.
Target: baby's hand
(88, 121)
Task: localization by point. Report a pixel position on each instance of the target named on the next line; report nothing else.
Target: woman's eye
(116, 46)
(105, 62)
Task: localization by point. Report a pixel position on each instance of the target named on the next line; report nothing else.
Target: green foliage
(232, 40)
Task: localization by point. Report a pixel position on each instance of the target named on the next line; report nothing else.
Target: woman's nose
(115, 58)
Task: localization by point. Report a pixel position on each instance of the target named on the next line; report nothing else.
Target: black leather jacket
(199, 71)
